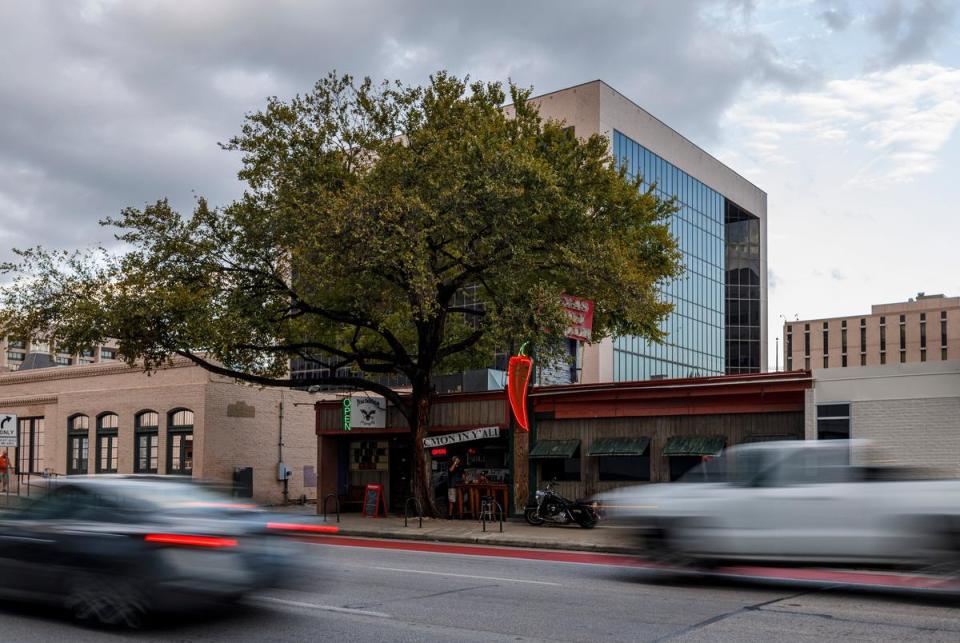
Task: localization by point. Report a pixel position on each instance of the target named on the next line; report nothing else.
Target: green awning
(554, 449)
(618, 446)
(694, 445)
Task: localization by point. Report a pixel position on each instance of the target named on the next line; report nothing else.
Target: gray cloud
(836, 14)
(909, 31)
(112, 104)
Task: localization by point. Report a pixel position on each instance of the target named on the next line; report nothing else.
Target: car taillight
(293, 526)
(185, 540)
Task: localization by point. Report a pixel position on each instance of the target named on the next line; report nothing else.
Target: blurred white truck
(799, 502)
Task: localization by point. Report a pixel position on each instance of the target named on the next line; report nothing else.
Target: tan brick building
(180, 420)
(13, 353)
(925, 329)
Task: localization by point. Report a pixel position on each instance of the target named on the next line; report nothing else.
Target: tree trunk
(419, 424)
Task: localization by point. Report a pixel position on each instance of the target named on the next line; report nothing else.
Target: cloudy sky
(844, 112)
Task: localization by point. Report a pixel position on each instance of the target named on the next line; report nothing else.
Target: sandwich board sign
(8, 430)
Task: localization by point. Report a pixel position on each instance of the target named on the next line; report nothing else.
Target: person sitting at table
(454, 478)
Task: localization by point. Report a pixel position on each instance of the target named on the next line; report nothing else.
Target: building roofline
(792, 377)
(651, 115)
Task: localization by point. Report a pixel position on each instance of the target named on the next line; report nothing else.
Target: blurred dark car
(112, 549)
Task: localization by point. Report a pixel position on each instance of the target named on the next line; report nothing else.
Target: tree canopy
(384, 228)
(369, 209)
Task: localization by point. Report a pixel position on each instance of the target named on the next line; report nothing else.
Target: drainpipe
(281, 468)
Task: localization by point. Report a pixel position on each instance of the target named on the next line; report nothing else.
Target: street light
(778, 341)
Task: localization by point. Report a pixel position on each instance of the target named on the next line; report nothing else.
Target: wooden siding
(735, 428)
(454, 415)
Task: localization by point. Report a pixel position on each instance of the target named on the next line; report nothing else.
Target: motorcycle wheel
(588, 523)
(531, 516)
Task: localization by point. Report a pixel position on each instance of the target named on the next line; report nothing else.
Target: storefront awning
(554, 449)
(619, 446)
(694, 445)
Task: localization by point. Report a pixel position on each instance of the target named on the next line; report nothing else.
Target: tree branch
(463, 344)
(355, 382)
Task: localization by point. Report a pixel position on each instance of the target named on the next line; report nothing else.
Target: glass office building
(710, 331)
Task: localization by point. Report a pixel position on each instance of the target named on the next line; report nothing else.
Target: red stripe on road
(479, 550)
(845, 577)
(826, 576)
(296, 526)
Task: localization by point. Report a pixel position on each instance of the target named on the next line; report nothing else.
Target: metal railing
(406, 510)
(490, 508)
(23, 484)
(336, 505)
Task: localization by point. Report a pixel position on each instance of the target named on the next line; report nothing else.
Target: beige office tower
(921, 329)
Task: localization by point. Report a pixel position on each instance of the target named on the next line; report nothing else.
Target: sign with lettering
(373, 501)
(464, 436)
(8, 430)
(347, 414)
(580, 312)
(364, 412)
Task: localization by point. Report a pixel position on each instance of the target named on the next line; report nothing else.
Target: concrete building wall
(919, 432)
(234, 424)
(912, 410)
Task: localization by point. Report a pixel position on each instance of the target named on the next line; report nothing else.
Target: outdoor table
(500, 493)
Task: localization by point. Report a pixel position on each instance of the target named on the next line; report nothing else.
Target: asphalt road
(373, 594)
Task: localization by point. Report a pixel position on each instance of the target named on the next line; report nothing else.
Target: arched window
(108, 424)
(146, 446)
(78, 444)
(180, 442)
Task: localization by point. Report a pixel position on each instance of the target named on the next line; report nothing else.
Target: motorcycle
(550, 506)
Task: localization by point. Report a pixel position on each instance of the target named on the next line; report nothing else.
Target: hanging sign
(519, 369)
(464, 436)
(364, 412)
(580, 312)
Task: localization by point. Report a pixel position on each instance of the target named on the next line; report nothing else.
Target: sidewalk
(516, 532)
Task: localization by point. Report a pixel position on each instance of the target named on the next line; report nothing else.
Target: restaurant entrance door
(401, 485)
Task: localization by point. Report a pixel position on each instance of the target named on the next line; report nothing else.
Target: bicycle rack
(498, 512)
(336, 504)
(417, 506)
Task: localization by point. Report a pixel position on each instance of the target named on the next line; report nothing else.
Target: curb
(485, 539)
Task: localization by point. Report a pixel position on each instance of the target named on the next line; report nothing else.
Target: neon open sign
(346, 414)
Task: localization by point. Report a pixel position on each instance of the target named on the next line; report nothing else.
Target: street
(390, 591)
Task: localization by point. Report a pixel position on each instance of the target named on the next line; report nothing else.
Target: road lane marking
(469, 576)
(325, 608)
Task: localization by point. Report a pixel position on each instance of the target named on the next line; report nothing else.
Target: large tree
(385, 229)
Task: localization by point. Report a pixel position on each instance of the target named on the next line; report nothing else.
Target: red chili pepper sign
(518, 377)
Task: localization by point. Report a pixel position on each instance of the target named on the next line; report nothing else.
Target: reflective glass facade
(743, 311)
(695, 342)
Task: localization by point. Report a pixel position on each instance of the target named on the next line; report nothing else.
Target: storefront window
(634, 468)
(180, 442)
(107, 442)
(560, 469)
(78, 444)
(146, 442)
